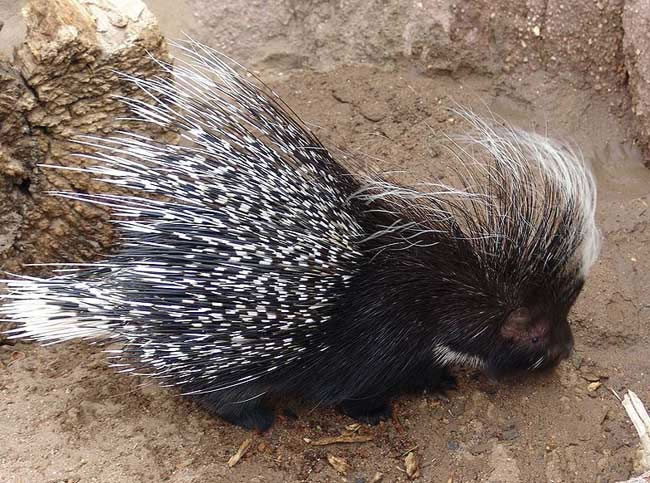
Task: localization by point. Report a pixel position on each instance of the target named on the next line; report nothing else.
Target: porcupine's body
(270, 270)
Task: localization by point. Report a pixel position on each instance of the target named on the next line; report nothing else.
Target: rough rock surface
(60, 84)
(581, 40)
(636, 23)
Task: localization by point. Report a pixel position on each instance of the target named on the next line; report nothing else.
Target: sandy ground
(66, 416)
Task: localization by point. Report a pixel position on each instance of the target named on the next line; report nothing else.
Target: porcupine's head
(494, 266)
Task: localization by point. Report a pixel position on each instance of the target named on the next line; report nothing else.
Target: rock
(61, 83)
(491, 37)
(636, 45)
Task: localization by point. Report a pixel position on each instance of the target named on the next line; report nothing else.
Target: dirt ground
(65, 415)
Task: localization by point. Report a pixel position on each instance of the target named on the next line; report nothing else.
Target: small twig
(344, 438)
(639, 417)
(234, 459)
(409, 450)
(426, 465)
(638, 414)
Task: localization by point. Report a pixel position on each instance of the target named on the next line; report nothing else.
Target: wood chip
(353, 428)
(594, 386)
(234, 459)
(590, 377)
(377, 478)
(339, 464)
(411, 465)
(344, 438)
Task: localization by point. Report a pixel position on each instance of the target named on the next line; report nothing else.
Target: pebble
(452, 445)
(594, 386)
(509, 435)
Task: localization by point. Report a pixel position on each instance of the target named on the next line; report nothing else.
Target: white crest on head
(509, 181)
(543, 164)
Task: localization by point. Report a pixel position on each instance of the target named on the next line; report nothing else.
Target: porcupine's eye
(524, 330)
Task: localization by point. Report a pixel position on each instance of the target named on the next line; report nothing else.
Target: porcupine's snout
(561, 344)
(558, 344)
(534, 340)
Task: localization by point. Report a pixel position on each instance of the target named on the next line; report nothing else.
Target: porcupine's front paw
(369, 411)
(253, 414)
(436, 380)
(259, 418)
(444, 382)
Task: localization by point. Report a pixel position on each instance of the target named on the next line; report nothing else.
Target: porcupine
(263, 267)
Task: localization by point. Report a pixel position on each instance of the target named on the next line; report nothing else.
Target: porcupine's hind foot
(368, 410)
(253, 414)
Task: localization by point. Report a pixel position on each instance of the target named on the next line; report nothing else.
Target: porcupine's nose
(566, 349)
(562, 348)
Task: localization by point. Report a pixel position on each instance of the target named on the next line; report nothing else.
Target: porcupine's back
(231, 276)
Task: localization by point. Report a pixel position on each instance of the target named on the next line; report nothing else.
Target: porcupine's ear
(518, 325)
